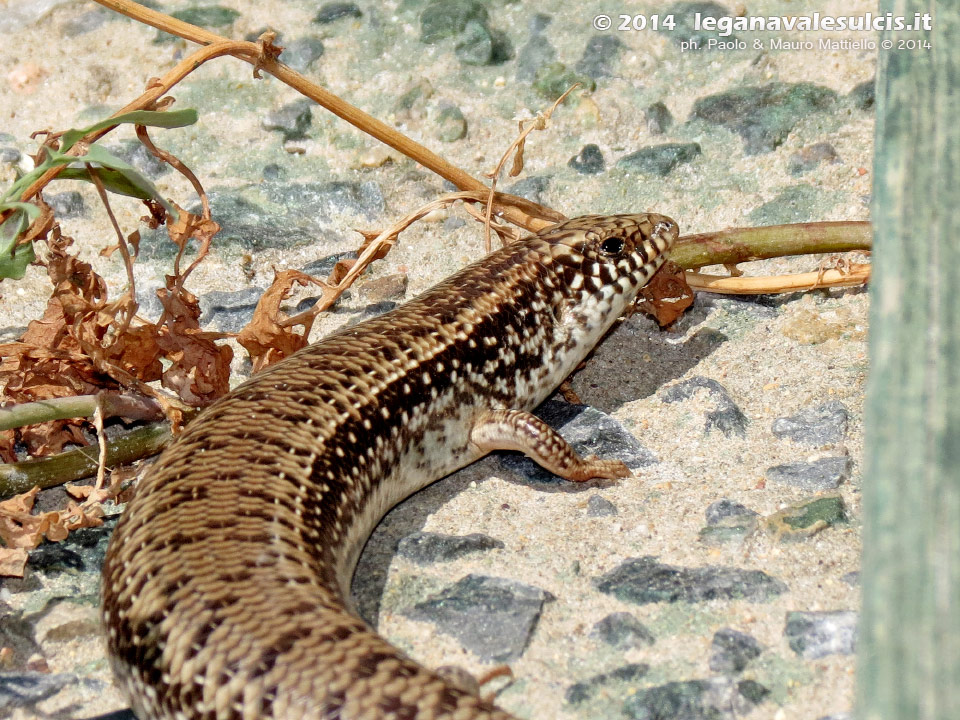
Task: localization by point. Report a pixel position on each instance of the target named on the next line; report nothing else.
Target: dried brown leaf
(264, 338)
(667, 294)
(12, 562)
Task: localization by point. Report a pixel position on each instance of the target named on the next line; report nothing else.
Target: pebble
(809, 157)
(726, 416)
(725, 508)
(585, 689)
(807, 518)
(643, 580)
(66, 204)
(821, 425)
(792, 204)
(531, 188)
(228, 311)
(424, 548)
(291, 120)
(731, 651)
(718, 698)
(659, 118)
(538, 51)
(659, 159)
(589, 161)
(447, 18)
(333, 11)
(823, 474)
(491, 617)
(685, 29)
(815, 635)
(301, 53)
(864, 95)
(450, 123)
(598, 506)
(600, 55)
(763, 115)
(623, 631)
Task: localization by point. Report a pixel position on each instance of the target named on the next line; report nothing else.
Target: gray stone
(291, 120)
(333, 11)
(451, 125)
(864, 95)
(17, 634)
(590, 432)
(9, 155)
(554, 79)
(725, 417)
(228, 311)
(730, 531)
(815, 635)
(851, 578)
(589, 161)
(322, 267)
(731, 651)
(538, 50)
(531, 188)
(728, 522)
(822, 425)
(302, 52)
(453, 223)
(643, 580)
(324, 200)
(273, 172)
(598, 506)
(763, 116)
(22, 690)
(659, 160)
(659, 118)
(807, 518)
(66, 204)
(207, 15)
(791, 205)
(623, 631)
(447, 18)
(136, 154)
(685, 30)
(493, 618)
(600, 55)
(585, 689)
(726, 508)
(809, 157)
(85, 22)
(718, 698)
(823, 474)
(424, 548)
(480, 45)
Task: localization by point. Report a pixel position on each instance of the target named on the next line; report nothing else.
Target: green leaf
(103, 157)
(113, 180)
(150, 118)
(14, 259)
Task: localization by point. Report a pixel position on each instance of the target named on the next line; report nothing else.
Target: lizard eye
(611, 246)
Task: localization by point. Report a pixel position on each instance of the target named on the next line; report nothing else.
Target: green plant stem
(112, 404)
(75, 464)
(737, 245)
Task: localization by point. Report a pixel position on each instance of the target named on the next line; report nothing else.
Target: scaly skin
(225, 583)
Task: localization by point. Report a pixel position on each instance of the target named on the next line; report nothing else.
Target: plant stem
(75, 464)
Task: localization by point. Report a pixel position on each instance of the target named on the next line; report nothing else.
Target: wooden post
(909, 649)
